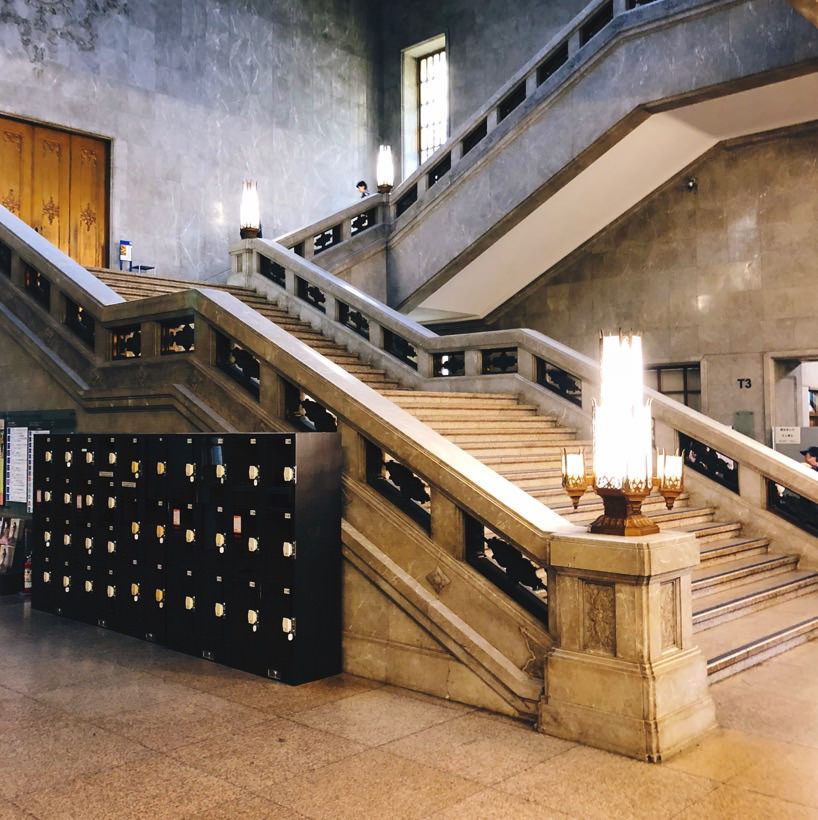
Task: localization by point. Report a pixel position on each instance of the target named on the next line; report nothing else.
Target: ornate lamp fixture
(385, 170)
(622, 466)
(250, 220)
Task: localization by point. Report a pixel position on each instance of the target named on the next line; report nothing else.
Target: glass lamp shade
(249, 216)
(385, 169)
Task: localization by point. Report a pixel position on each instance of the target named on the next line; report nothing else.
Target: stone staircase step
(507, 434)
(732, 573)
(726, 605)
(493, 452)
(444, 414)
(736, 645)
(407, 398)
(532, 427)
(711, 531)
(718, 551)
(591, 506)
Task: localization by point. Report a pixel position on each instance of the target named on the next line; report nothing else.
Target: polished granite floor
(97, 725)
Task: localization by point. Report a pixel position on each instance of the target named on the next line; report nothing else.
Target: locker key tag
(289, 473)
(253, 473)
(252, 618)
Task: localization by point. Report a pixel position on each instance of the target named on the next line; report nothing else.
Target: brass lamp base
(384, 189)
(623, 514)
(248, 233)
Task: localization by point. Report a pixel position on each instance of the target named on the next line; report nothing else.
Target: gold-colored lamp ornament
(249, 211)
(622, 472)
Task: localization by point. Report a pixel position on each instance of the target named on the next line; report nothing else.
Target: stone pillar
(625, 674)
(448, 524)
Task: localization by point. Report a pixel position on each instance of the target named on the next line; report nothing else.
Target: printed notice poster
(17, 471)
(2, 463)
(30, 487)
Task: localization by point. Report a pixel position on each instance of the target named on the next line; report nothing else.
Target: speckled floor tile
(590, 784)
(376, 717)
(180, 720)
(374, 784)
(247, 807)
(9, 811)
(262, 756)
(479, 746)
(730, 803)
(494, 805)
(158, 787)
(791, 776)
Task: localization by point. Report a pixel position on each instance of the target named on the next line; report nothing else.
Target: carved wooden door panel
(15, 168)
(89, 228)
(57, 182)
(51, 184)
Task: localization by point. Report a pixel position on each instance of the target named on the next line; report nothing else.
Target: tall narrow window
(424, 101)
(433, 103)
(682, 382)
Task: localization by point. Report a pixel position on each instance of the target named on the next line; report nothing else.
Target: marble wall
(719, 275)
(196, 95)
(487, 43)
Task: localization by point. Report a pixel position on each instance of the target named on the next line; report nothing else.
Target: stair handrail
(535, 346)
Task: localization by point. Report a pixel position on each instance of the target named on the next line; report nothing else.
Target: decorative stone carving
(599, 633)
(43, 24)
(669, 595)
(438, 580)
(535, 663)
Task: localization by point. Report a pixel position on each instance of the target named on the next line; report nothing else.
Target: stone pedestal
(626, 675)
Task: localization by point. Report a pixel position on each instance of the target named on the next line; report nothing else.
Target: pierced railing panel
(709, 462)
(80, 322)
(311, 294)
(306, 413)
(5, 260)
(176, 336)
(400, 348)
(37, 286)
(794, 508)
(440, 169)
(596, 23)
(326, 239)
(406, 201)
(507, 568)
(397, 483)
(126, 342)
(559, 381)
(272, 271)
(363, 221)
(552, 63)
(353, 319)
(240, 364)
(499, 360)
(513, 99)
(450, 364)
(475, 136)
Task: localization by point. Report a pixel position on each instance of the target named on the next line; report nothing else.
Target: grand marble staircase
(751, 601)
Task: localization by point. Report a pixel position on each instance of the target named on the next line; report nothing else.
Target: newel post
(626, 675)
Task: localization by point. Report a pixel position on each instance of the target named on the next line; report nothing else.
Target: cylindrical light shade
(622, 425)
(385, 169)
(249, 216)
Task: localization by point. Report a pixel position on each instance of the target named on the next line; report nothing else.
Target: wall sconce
(622, 462)
(250, 220)
(385, 170)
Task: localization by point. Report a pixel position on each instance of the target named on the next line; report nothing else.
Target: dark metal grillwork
(126, 342)
(406, 490)
(239, 363)
(306, 413)
(559, 381)
(272, 271)
(353, 319)
(406, 201)
(474, 136)
(709, 462)
(363, 221)
(507, 568)
(792, 507)
(400, 348)
(441, 168)
(177, 336)
(80, 322)
(515, 98)
(326, 239)
(450, 364)
(311, 294)
(38, 286)
(596, 23)
(500, 360)
(552, 63)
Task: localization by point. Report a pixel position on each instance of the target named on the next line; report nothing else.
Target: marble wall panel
(720, 276)
(196, 95)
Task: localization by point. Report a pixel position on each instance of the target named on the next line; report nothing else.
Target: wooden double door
(57, 182)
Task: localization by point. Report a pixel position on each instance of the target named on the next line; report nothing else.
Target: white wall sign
(787, 435)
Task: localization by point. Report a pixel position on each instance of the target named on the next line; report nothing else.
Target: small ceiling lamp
(249, 213)
(385, 170)
(622, 463)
